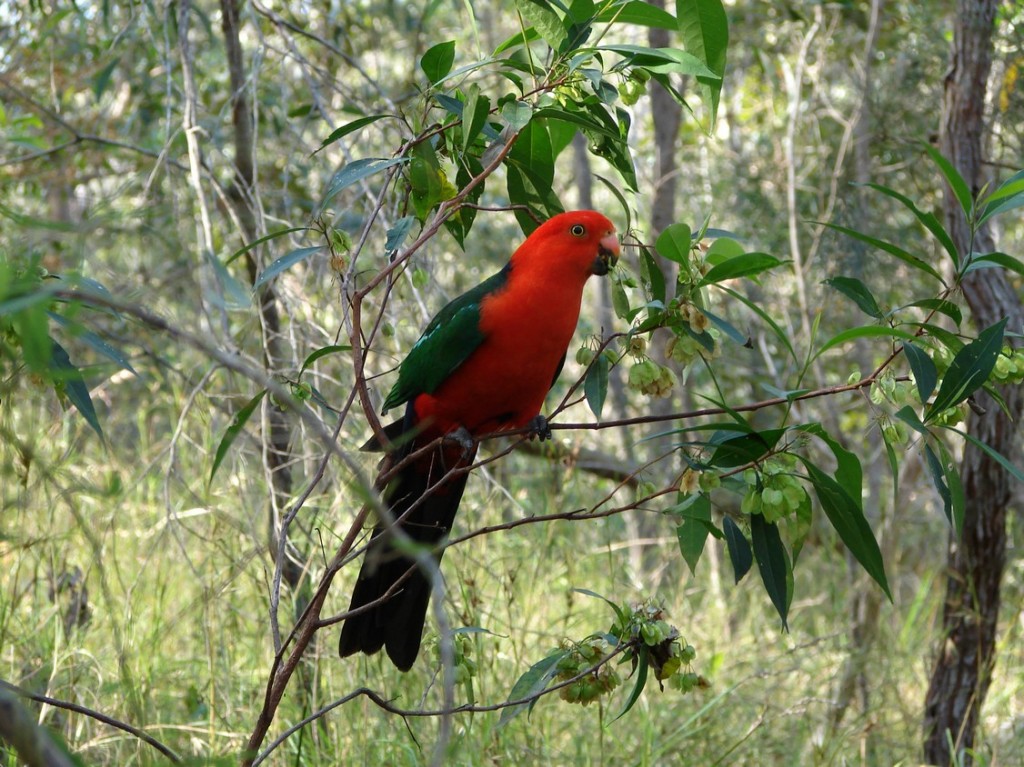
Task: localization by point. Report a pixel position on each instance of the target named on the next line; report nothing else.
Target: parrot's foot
(539, 427)
(463, 439)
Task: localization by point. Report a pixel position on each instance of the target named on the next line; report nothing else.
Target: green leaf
(354, 172)
(93, 340)
(348, 128)
(865, 331)
(323, 352)
(398, 232)
(674, 243)
(232, 294)
(474, 115)
(595, 387)
(849, 473)
(737, 448)
(728, 328)
(766, 318)
(893, 250)
(740, 266)
(286, 261)
(938, 472)
(771, 563)
(969, 370)
(953, 178)
(102, 78)
(909, 417)
(538, 15)
(994, 454)
(847, 517)
(925, 373)
(956, 487)
(739, 548)
(940, 305)
(69, 380)
(857, 292)
(704, 29)
(531, 684)
(639, 13)
(990, 260)
(620, 301)
(641, 681)
(692, 532)
(437, 61)
(267, 238)
(1008, 196)
(664, 61)
(928, 219)
(233, 430)
(651, 276)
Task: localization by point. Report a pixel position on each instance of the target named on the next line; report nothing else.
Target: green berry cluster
(648, 377)
(895, 432)
(899, 393)
(464, 666)
(591, 686)
(773, 490)
(667, 652)
(633, 87)
(1009, 367)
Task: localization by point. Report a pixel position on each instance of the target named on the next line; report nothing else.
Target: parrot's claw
(463, 439)
(539, 427)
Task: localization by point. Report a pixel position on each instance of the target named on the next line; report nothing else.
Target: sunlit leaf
(956, 182)
(674, 243)
(741, 266)
(437, 61)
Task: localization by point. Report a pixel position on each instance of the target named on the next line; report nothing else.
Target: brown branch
(17, 727)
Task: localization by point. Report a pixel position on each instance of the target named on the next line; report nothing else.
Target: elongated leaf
(847, 517)
(910, 418)
(941, 306)
(956, 487)
(990, 260)
(739, 548)
(857, 292)
(953, 178)
(540, 16)
(474, 115)
(739, 449)
(1008, 196)
(595, 387)
(437, 61)
(267, 238)
(779, 333)
(398, 232)
(233, 430)
(323, 352)
(771, 563)
(643, 663)
(286, 261)
(927, 218)
(652, 276)
(692, 533)
(347, 128)
(233, 295)
(938, 473)
(93, 340)
(893, 250)
(969, 370)
(925, 373)
(531, 684)
(674, 243)
(742, 266)
(849, 473)
(68, 378)
(354, 172)
(664, 61)
(704, 29)
(728, 328)
(865, 331)
(639, 13)
(994, 454)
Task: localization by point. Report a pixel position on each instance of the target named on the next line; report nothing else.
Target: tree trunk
(966, 656)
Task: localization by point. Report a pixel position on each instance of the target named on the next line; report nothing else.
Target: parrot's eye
(578, 230)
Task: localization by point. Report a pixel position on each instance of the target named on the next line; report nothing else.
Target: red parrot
(483, 364)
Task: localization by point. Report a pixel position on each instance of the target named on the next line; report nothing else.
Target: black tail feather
(396, 624)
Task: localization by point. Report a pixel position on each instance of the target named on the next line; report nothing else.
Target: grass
(176, 641)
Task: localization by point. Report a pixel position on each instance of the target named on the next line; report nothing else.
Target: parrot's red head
(574, 244)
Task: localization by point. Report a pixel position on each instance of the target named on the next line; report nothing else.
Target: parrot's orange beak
(607, 254)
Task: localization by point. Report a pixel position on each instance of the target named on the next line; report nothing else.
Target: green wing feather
(447, 342)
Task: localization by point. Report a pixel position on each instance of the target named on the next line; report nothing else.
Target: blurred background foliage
(133, 583)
